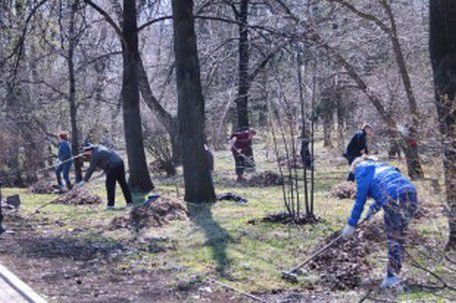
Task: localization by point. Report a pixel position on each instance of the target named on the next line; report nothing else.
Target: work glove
(348, 231)
(81, 184)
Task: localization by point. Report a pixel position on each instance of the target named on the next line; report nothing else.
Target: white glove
(81, 184)
(348, 231)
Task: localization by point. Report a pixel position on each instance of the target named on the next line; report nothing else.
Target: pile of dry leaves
(78, 196)
(343, 265)
(158, 213)
(266, 178)
(290, 163)
(344, 190)
(41, 187)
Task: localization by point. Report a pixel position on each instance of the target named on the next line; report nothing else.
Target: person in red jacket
(241, 147)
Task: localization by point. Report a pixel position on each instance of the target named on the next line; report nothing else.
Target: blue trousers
(397, 216)
(65, 169)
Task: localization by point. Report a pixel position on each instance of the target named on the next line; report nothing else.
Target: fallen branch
(245, 294)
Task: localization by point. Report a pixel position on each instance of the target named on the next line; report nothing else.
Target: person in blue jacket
(393, 193)
(64, 156)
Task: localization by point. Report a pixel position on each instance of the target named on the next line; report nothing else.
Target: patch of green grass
(219, 242)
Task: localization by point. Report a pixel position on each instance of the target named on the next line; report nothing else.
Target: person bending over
(393, 193)
(111, 163)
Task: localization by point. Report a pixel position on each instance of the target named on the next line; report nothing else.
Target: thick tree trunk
(244, 58)
(139, 178)
(72, 93)
(443, 58)
(197, 176)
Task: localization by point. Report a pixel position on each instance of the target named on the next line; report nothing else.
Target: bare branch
(363, 15)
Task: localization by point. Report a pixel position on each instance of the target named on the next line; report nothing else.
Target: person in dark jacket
(358, 146)
(396, 195)
(306, 157)
(64, 157)
(111, 163)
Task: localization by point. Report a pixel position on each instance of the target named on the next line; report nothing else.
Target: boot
(241, 179)
(390, 282)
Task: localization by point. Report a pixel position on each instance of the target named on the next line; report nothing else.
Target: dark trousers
(350, 159)
(239, 162)
(250, 163)
(113, 175)
(65, 169)
(397, 216)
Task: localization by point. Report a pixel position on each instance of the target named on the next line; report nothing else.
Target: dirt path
(79, 268)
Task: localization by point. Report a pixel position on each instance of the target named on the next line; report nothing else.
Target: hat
(88, 147)
(361, 159)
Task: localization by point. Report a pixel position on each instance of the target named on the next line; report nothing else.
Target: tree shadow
(216, 237)
(70, 247)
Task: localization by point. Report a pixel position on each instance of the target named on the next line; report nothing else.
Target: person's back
(102, 158)
(105, 157)
(388, 183)
(243, 140)
(383, 181)
(64, 150)
(357, 144)
(112, 164)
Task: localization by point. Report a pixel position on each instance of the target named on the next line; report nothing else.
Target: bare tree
(443, 58)
(73, 38)
(197, 177)
(139, 175)
(139, 178)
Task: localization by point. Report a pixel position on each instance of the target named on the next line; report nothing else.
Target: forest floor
(67, 253)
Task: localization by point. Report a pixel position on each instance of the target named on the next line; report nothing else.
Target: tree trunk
(340, 126)
(443, 58)
(244, 58)
(327, 130)
(411, 149)
(72, 93)
(165, 118)
(197, 176)
(139, 178)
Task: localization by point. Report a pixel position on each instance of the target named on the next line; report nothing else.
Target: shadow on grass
(75, 248)
(216, 237)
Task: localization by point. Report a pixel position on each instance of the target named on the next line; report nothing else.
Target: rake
(292, 276)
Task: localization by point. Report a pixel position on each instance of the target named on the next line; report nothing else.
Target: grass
(218, 242)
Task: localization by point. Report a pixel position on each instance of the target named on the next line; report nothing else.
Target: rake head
(290, 276)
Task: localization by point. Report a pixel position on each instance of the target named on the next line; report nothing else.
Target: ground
(67, 253)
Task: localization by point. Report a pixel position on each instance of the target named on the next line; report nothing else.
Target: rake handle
(323, 249)
(316, 254)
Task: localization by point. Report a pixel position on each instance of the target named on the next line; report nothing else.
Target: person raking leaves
(64, 166)
(111, 163)
(358, 146)
(396, 195)
(241, 147)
